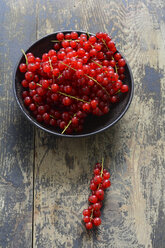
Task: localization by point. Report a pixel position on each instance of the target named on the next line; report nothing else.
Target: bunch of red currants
(98, 184)
(81, 75)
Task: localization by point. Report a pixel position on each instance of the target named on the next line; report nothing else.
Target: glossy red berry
(86, 212)
(124, 88)
(97, 221)
(89, 225)
(74, 35)
(96, 171)
(86, 219)
(60, 36)
(96, 213)
(66, 101)
(100, 194)
(54, 88)
(93, 199)
(97, 179)
(93, 186)
(106, 184)
(86, 107)
(106, 175)
(121, 62)
(23, 67)
(97, 206)
(27, 101)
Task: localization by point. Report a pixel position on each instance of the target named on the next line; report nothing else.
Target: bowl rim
(70, 135)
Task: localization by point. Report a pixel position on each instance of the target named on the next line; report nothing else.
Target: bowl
(93, 124)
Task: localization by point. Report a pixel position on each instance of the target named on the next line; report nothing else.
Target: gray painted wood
(49, 213)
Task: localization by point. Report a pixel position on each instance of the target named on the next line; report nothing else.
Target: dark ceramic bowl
(93, 124)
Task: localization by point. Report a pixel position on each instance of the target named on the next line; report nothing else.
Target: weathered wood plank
(17, 28)
(133, 149)
(133, 215)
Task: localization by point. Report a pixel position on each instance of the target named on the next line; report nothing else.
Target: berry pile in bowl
(73, 83)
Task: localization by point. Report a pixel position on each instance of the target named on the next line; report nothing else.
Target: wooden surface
(44, 180)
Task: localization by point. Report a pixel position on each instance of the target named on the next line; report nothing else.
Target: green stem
(88, 77)
(91, 217)
(105, 44)
(25, 56)
(64, 94)
(88, 35)
(78, 99)
(67, 125)
(68, 66)
(50, 62)
(97, 83)
(97, 63)
(102, 167)
(117, 92)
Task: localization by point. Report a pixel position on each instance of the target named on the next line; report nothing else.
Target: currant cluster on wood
(98, 184)
(80, 75)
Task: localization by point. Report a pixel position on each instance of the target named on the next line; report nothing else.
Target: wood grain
(49, 213)
(16, 135)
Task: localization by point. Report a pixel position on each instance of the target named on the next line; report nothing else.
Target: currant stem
(78, 99)
(117, 92)
(59, 76)
(25, 56)
(105, 44)
(68, 66)
(50, 62)
(88, 35)
(97, 63)
(88, 77)
(115, 65)
(68, 125)
(97, 83)
(91, 217)
(64, 94)
(52, 116)
(102, 166)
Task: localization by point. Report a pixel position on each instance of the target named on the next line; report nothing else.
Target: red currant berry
(106, 184)
(121, 62)
(93, 199)
(23, 67)
(86, 107)
(94, 104)
(124, 88)
(89, 225)
(117, 56)
(86, 219)
(86, 212)
(97, 171)
(93, 186)
(25, 83)
(106, 175)
(29, 76)
(97, 179)
(74, 35)
(96, 213)
(66, 101)
(60, 36)
(32, 107)
(100, 194)
(97, 206)
(54, 87)
(27, 101)
(97, 221)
